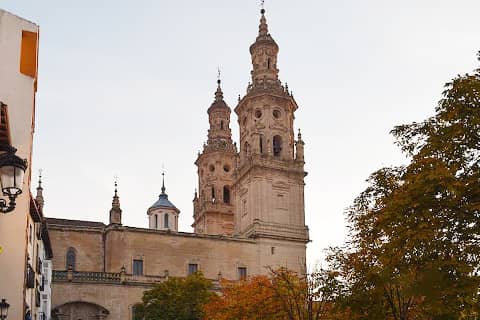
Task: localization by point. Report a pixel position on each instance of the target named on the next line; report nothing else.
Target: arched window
(226, 194)
(221, 125)
(156, 221)
(165, 220)
(213, 194)
(268, 63)
(277, 146)
(71, 257)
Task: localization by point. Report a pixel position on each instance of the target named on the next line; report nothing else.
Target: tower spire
(163, 182)
(39, 197)
(263, 28)
(115, 211)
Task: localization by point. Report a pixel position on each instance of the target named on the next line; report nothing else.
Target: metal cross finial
(219, 73)
(262, 5)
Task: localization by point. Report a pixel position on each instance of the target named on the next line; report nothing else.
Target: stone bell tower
(269, 182)
(213, 204)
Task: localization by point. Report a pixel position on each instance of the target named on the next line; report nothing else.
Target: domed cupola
(163, 215)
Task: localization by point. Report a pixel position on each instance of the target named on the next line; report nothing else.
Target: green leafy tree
(414, 249)
(175, 299)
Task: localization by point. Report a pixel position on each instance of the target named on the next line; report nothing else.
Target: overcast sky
(124, 87)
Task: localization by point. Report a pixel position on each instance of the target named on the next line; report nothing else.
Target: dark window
(213, 194)
(268, 63)
(261, 139)
(277, 146)
(165, 220)
(156, 221)
(221, 125)
(226, 194)
(71, 257)
(30, 277)
(137, 267)
(242, 273)
(192, 268)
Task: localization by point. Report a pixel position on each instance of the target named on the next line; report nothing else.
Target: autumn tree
(414, 248)
(175, 299)
(283, 294)
(249, 299)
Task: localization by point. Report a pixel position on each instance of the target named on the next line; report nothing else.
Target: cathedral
(248, 211)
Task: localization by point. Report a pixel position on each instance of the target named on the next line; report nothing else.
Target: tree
(250, 299)
(414, 249)
(176, 299)
(281, 295)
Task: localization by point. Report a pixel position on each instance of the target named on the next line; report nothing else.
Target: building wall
(117, 299)
(162, 253)
(17, 90)
(87, 244)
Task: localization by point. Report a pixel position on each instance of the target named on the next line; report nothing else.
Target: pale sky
(124, 87)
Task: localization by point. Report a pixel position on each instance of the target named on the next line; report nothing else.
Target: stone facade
(248, 210)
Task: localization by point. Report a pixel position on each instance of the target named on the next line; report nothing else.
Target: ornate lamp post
(12, 171)
(4, 305)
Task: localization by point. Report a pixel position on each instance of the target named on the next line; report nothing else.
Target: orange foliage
(251, 299)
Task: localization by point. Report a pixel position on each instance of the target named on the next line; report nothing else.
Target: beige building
(248, 211)
(24, 244)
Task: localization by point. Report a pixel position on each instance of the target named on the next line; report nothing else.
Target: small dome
(162, 202)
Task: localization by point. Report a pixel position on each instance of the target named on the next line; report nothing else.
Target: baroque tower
(269, 181)
(213, 206)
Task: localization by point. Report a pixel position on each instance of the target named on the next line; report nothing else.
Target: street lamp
(4, 309)
(12, 171)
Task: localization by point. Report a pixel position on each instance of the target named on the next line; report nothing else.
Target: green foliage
(175, 299)
(414, 251)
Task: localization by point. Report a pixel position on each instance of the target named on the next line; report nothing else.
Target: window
(268, 63)
(137, 267)
(226, 194)
(261, 143)
(71, 257)
(272, 250)
(192, 268)
(213, 194)
(242, 273)
(30, 234)
(156, 221)
(277, 146)
(165, 220)
(28, 55)
(221, 125)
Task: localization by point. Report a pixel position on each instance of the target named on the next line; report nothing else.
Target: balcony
(111, 278)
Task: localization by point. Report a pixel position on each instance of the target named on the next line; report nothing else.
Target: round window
(258, 113)
(276, 114)
(212, 168)
(226, 168)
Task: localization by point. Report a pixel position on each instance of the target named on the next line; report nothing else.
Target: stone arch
(80, 310)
